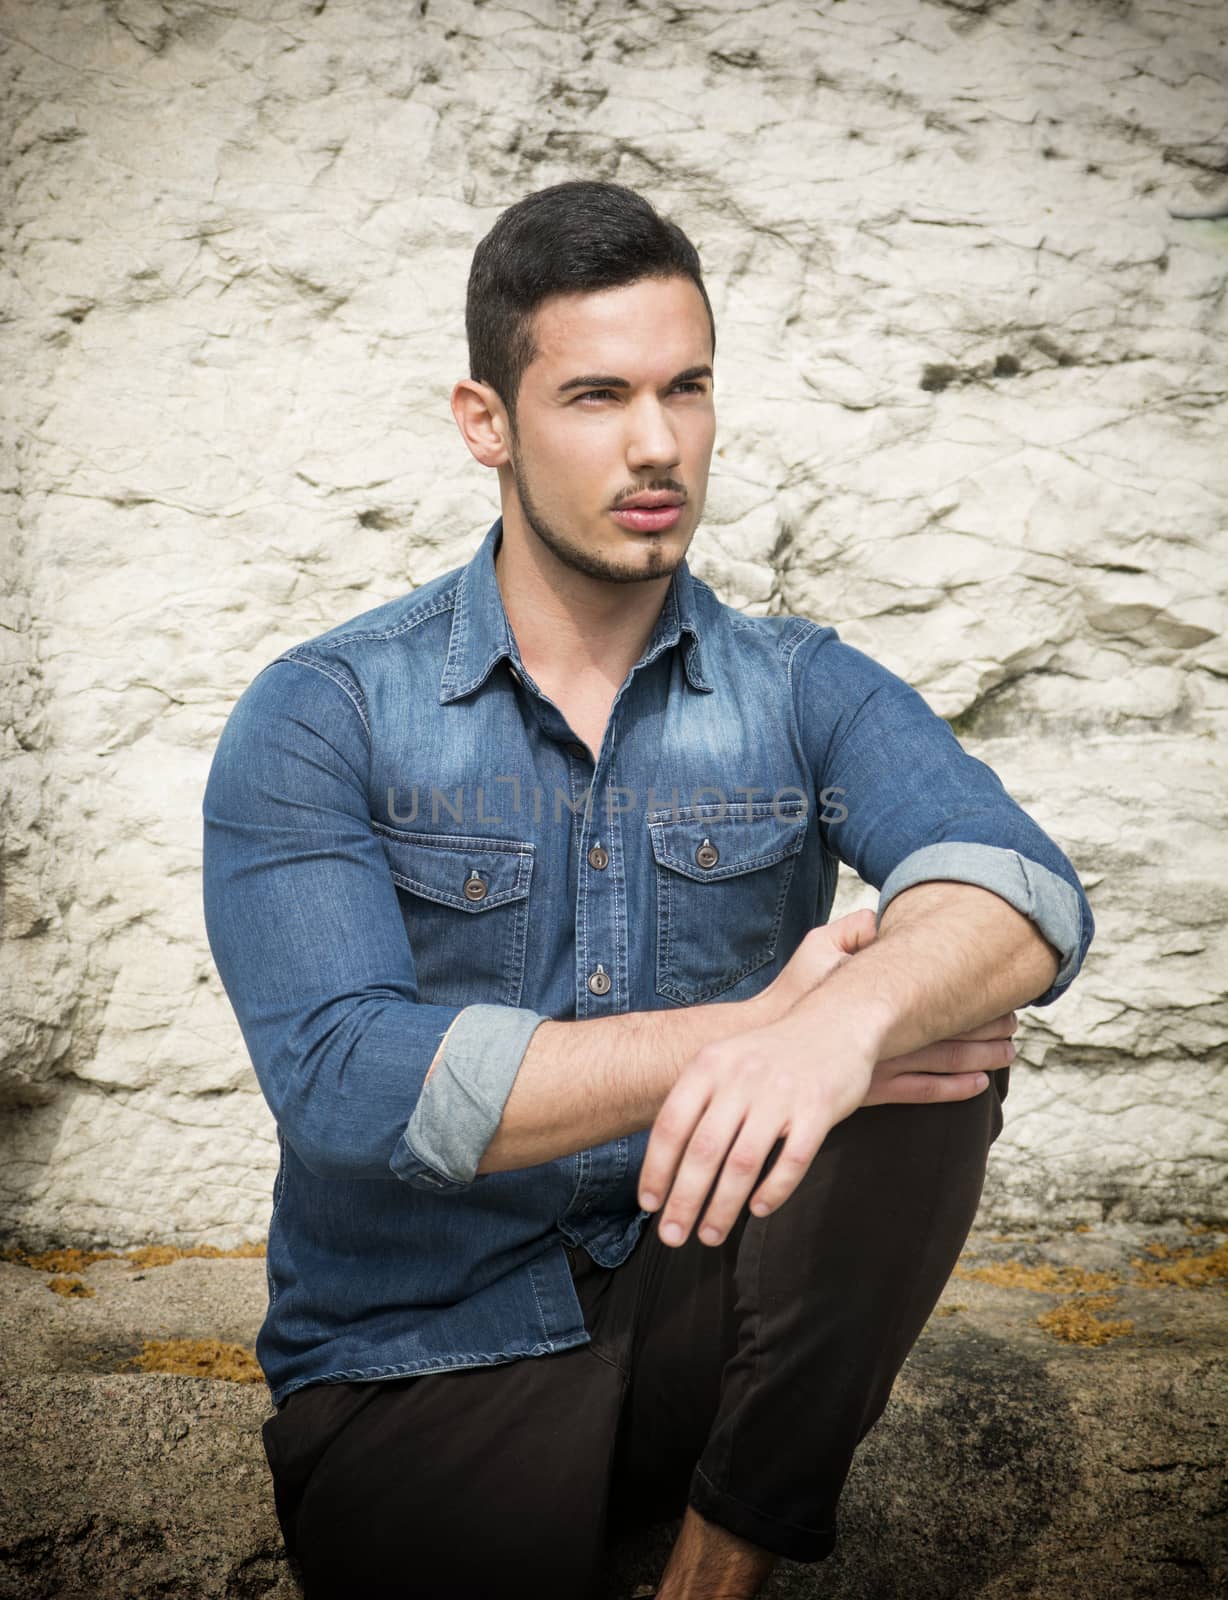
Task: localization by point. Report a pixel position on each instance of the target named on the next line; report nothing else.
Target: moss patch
(1075, 1320)
(161, 1255)
(199, 1358)
(1180, 1267)
(73, 1287)
(140, 1258)
(58, 1260)
(1042, 1279)
(1085, 1294)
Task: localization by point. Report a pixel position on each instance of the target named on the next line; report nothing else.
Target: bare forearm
(948, 957)
(581, 1084)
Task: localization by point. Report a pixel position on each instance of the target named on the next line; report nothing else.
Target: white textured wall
(973, 411)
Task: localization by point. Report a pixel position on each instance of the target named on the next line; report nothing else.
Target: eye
(691, 386)
(596, 394)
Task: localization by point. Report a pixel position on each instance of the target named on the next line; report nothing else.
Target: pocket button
(475, 889)
(707, 855)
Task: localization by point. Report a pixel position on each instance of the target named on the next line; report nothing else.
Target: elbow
(323, 1157)
(1075, 931)
(336, 1135)
(322, 1148)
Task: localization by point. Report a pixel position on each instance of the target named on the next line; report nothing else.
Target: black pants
(738, 1378)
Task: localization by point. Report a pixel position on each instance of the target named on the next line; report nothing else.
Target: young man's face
(614, 428)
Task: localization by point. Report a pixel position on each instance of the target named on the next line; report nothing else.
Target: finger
(741, 1169)
(854, 931)
(671, 1131)
(998, 1028)
(790, 1166)
(705, 1155)
(929, 1088)
(952, 1055)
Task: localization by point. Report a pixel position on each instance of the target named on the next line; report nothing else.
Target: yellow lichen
(72, 1287)
(199, 1358)
(58, 1260)
(1044, 1278)
(1180, 1267)
(1075, 1321)
(161, 1255)
(141, 1257)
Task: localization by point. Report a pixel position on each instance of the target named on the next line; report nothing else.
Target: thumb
(854, 931)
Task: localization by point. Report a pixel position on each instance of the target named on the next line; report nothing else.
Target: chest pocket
(721, 885)
(466, 907)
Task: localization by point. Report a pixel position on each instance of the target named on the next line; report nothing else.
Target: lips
(648, 520)
(650, 512)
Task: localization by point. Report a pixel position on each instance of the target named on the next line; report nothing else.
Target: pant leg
(677, 1339)
(831, 1293)
(465, 1484)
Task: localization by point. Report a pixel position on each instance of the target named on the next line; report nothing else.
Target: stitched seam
(444, 603)
(343, 681)
(795, 718)
(459, 842)
(408, 1369)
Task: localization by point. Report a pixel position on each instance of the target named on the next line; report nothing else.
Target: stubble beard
(659, 561)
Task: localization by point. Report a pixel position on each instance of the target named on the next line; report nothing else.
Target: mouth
(651, 512)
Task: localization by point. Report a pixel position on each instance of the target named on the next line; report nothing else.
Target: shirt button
(707, 855)
(599, 983)
(475, 889)
(599, 857)
(578, 750)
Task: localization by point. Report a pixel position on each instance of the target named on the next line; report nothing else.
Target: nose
(651, 440)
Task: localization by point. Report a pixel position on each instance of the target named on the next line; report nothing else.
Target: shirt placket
(601, 974)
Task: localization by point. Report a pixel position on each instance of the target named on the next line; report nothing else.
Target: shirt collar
(481, 635)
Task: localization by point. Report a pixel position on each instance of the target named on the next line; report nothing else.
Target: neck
(571, 628)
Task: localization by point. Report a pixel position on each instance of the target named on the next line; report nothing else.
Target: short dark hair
(574, 237)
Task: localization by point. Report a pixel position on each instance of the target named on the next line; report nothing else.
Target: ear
(482, 419)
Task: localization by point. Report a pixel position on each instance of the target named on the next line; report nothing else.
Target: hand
(949, 1069)
(728, 1108)
(737, 1097)
(818, 955)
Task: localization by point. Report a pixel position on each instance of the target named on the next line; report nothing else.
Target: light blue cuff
(462, 1103)
(1041, 895)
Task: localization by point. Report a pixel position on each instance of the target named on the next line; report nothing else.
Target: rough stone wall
(972, 406)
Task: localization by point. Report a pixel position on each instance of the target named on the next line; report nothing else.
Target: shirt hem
(410, 1369)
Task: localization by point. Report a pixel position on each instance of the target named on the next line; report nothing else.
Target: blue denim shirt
(404, 840)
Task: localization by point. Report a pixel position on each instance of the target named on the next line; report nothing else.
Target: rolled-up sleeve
(308, 937)
(462, 1103)
(903, 803)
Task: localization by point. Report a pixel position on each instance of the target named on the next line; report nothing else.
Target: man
(517, 884)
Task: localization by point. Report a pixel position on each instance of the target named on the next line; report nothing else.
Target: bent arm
(916, 811)
(305, 928)
(948, 957)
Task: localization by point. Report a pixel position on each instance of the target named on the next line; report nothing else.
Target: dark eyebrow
(594, 382)
(597, 381)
